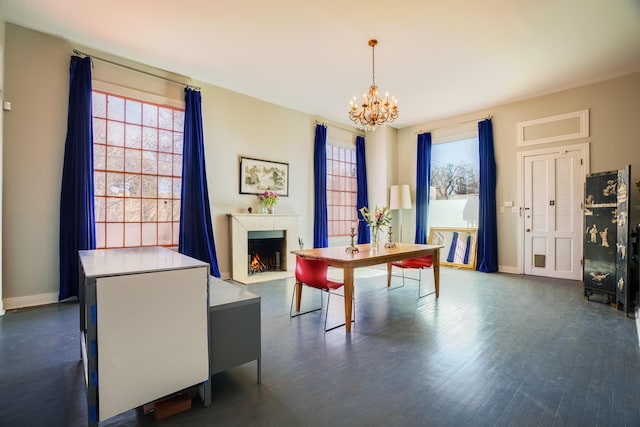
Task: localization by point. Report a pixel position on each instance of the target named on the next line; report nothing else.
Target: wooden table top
(337, 256)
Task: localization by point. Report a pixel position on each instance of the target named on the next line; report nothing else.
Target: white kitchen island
(144, 327)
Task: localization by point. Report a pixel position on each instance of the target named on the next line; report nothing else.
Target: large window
(137, 171)
(455, 171)
(341, 190)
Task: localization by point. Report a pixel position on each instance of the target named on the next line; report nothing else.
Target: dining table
(348, 258)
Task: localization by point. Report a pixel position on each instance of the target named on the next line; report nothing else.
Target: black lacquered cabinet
(606, 269)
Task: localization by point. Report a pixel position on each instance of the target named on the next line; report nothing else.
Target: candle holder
(389, 243)
(351, 249)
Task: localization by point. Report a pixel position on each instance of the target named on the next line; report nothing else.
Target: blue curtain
(196, 232)
(362, 198)
(423, 183)
(320, 223)
(77, 217)
(487, 251)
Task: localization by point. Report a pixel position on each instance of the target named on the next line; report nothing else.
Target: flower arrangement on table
(268, 200)
(376, 219)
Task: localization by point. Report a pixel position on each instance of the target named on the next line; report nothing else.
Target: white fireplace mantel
(241, 224)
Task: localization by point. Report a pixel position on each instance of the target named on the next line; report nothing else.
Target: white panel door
(553, 187)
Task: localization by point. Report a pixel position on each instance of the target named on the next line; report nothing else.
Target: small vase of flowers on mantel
(268, 200)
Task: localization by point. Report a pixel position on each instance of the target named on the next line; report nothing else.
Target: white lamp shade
(400, 197)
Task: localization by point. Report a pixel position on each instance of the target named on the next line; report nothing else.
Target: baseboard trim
(508, 269)
(30, 300)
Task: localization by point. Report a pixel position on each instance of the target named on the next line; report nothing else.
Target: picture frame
(459, 246)
(257, 176)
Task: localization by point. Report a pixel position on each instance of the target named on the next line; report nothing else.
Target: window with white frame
(341, 189)
(137, 171)
(455, 179)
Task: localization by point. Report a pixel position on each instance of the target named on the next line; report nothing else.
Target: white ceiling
(440, 58)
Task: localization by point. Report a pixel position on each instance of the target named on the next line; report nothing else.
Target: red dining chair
(420, 264)
(313, 273)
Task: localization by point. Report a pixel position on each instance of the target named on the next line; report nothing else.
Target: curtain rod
(77, 52)
(344, 128)
(459, 123)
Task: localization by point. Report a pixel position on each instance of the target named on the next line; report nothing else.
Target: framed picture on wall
(258, 176)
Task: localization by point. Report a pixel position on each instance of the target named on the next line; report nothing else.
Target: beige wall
(614, 132)
(37, 74)
(36, 81)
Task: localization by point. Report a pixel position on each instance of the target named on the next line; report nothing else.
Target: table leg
(298, 287)
(389, 267)
(348, 297)
(436, 272)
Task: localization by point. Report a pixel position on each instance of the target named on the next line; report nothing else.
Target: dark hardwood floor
(493, 350)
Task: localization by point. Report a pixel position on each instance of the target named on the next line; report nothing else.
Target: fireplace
(267, 251)
(272, 237)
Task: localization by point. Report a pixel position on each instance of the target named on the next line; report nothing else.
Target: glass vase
(375, 239)
(265, 209)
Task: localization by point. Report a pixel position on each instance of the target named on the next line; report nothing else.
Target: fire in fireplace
(267, 251)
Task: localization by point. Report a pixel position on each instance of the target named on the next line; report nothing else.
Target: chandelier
(375, 111)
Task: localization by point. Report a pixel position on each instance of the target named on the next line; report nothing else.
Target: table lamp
(400, 198)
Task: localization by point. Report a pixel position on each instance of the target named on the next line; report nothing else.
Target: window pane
(99, 183)
(178, 142)
(165, 164)
(132, 160)
(149, 210)
(132, 235)
(133, 136)
(134, 111)
(115, 234)
(176, 210)
(99, 131)
(115, 209)
(165, 210)
(177, 188)
(133, 210)
(165, 118)
(149, 186)
(99, 157)
(149, 162)
(133, 185)
(165, 141)
(100, 235)
(99, 209)
(115, 108)
(115, 184)
(176, 232)
(150, 139)
(115, 158)
(177, 165)
(150, 115)
(164, 233)
(99, 104)
(115, 133)
(149, 233)
(165, 187)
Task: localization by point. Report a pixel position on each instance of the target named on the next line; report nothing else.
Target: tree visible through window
(341, 190)
(137, 171)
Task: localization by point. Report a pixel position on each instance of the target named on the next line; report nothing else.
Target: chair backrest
(312, 272)
(421, 262)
